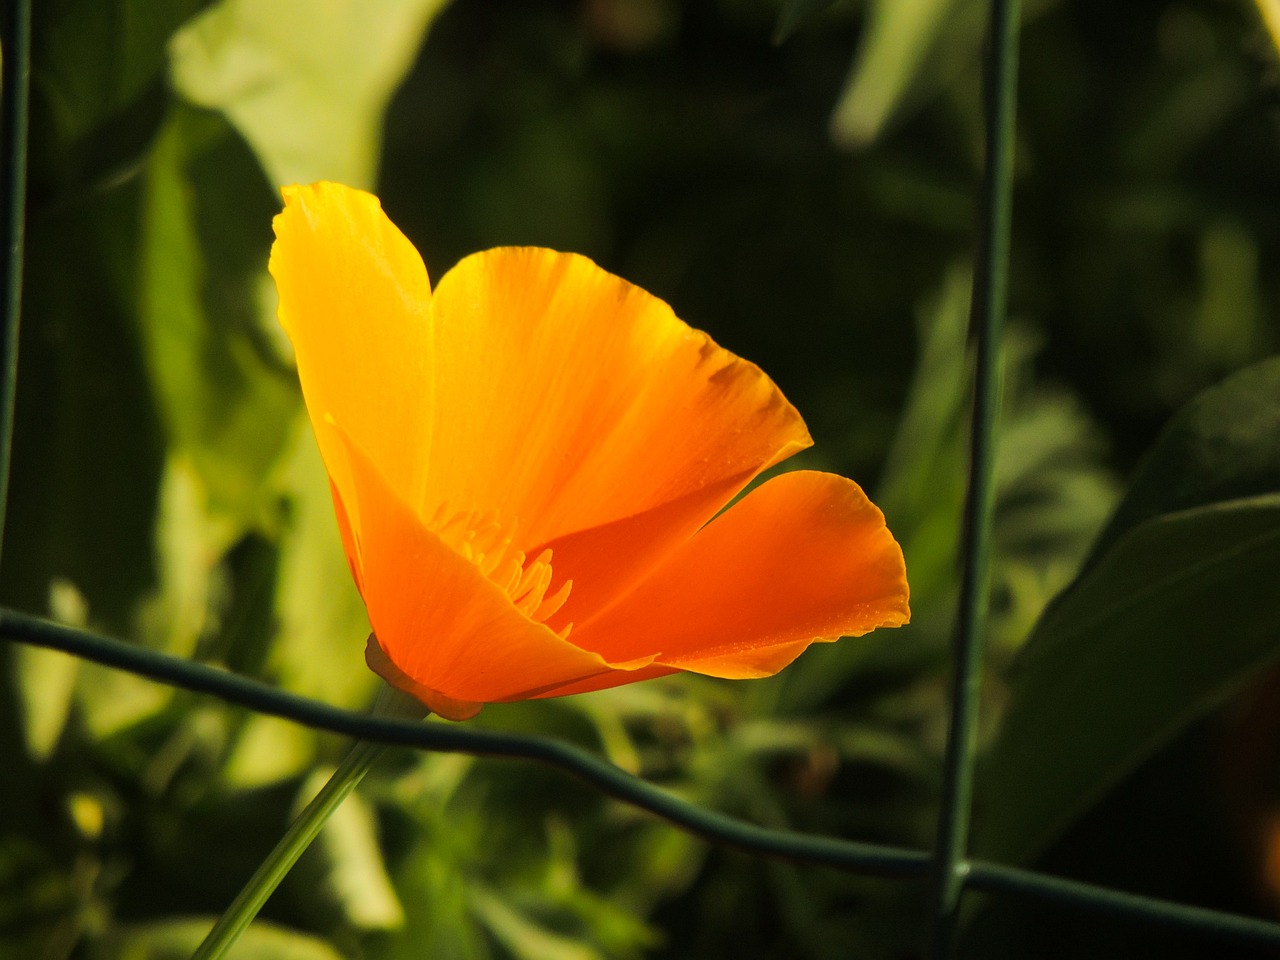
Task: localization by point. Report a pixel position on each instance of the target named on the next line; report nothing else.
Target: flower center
(484, 540)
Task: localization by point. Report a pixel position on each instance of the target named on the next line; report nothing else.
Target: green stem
(361, 757)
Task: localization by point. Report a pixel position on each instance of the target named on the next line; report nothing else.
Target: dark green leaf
(1174, 615)
(1175, 607)
(88, 450)
(1223, 445)
(794, 14)
(98, 93)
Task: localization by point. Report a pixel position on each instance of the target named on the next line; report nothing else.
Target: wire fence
(948, 866)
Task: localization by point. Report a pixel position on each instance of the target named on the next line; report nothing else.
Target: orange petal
(440, 621)
(615, 678)
(608, 560)
(805, 557)
(437, 703)
(582, 405)
(353, 299)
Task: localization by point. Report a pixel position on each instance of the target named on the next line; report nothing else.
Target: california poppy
(526, 464)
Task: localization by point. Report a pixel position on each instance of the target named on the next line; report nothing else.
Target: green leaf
(523, 936)
(174, 614)
(794, 14)
(319, 650)
(178, 939)
(1223, 445)
(897, 42)
(1270, 17)
(1175, 609)
(225, 398)
(268, 750)
(46, 679)
(435, 870)
(93, 57)
(88, 451)
(305, 84)
(355, 876)
(96, 78)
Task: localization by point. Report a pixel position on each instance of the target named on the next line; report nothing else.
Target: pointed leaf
(319, 649)
(96, 83)
(899, 36)
(178, 939)
(355, 874)
(1225, 444)
(46, 679)
(794, 14)
(226, 401)
(1175, 609)
(306, 85)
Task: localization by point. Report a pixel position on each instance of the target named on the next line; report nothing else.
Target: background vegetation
(798, 180)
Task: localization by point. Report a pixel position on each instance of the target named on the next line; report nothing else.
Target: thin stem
(297, 838)
(990, 296)
(14, 98)
(301, 832)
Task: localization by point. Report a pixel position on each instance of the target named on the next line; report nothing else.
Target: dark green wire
(989, 305)
(14, 99)
(1014, 881)
(847, 855)
(859, 858)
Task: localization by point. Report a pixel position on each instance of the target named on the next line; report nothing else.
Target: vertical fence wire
(990, 297)
(14, 98)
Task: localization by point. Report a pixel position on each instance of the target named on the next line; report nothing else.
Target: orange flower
(524, 464)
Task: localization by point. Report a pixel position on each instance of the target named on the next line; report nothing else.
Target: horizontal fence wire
(1015, 881)
(845, 855)
(442, 737)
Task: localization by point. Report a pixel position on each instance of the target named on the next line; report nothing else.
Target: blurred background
(798, 179)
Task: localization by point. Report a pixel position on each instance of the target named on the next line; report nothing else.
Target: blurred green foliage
(798, 179)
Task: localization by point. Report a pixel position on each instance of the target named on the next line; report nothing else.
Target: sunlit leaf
(267, 751)
(355, 876)
(899, 36)
(46, 678)
(175, 615)
(319, 649)
(178, 939)
(1269, 10)
(225, 400)
(305, 83)
(522, 935)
